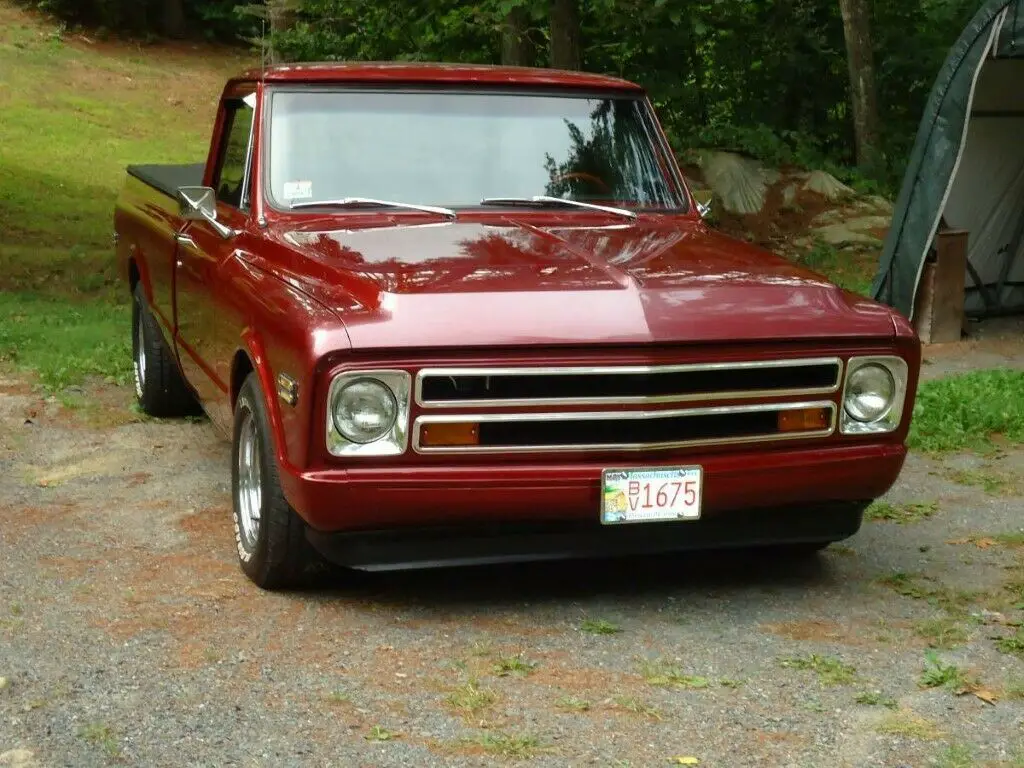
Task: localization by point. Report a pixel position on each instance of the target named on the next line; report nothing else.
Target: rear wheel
(159, 386)
(269, 535)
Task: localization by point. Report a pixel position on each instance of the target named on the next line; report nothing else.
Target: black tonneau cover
(167, 178)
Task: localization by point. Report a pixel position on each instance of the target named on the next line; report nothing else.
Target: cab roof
(420, 73)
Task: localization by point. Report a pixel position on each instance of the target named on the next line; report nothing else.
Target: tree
(565, 35)
(173, 18)
(281, 14)
(863, 94)
(517, 49)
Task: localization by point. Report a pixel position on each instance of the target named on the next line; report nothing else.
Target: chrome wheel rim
(140, 357)
(249, 491)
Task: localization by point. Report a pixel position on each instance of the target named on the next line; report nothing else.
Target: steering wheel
(595, 180)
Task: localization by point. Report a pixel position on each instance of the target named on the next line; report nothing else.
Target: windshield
(456, 149)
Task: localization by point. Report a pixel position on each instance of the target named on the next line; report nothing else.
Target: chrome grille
(625, 385)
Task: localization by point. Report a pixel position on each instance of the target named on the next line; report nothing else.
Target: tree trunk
(565, 35)
(517, 48)
(863, 96)
(281, 15)
(172, 18)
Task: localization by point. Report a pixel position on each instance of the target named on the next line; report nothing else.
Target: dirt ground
(128, 636)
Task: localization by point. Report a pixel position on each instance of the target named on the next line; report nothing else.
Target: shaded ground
(128, 636)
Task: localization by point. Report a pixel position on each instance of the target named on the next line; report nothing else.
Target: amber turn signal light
(449, 434)
(805, 420)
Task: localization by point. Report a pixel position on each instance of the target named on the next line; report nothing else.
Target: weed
(944, 632)
(1010, 538)
(572, 704)
(726, 682)
(666, 675)
(514, 746)
(638, 707)
(875, 699)
(909, 585)
(987, 481)
(936, 674)
(338, 697)
(16, 609)
(830, 670)
(1014, 644)
(913, 512)
(1014, 689)
(844, 269)
(599, 627)
(100, 735)
(956, 756)
(469, 699)
(380, 733)
(514, 665)
(909, 725)
(965, 411)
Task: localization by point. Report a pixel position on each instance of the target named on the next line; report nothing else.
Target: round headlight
(364, 411)
(870, 392)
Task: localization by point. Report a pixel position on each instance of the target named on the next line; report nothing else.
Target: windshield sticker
(298, 190)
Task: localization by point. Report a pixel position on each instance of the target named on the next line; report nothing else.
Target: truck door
(206, 318)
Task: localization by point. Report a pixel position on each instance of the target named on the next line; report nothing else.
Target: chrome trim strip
(616, 370)
(624, 416)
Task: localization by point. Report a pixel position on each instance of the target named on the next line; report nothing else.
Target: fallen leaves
(979, 692)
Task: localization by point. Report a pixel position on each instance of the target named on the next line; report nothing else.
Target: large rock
(739, 182)
(853, 231)
(827, 185)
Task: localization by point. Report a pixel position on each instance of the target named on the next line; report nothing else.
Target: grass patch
(956, 756)
(875, 699)
(1014, 689)
(918, 587)
(638, 707)
(599, 627)
(65, 146)
(963, 412)
(380, 733)
(913, 512)
(665, 675)
(517, 665)
(1010, 538)
(908, 725)
(989, 482)
(100, 735)
(573, 704)
(830, 670)
(470, 699)
(508, 745)
(853, 271)
(65, 342)
(936, 674)
(945, 632)
(1013, 645)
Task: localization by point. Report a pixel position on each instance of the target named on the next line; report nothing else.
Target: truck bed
(167, 178)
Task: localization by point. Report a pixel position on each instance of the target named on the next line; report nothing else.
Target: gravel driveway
(128, 636)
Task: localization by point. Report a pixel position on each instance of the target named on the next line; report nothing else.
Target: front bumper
(363, 499)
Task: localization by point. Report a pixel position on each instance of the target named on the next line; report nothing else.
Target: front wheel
(269, 535)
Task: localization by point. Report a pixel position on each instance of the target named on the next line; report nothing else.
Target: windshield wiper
(543, 201)
(369, 202)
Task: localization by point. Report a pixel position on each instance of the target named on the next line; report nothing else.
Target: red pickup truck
(457, 314)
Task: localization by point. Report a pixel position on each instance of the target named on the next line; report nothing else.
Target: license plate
(650, 495)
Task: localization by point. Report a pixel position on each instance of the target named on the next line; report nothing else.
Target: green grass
(470, 699)
(830, 670)
(963, 412)
(508, 745)
(599, 627)
(73, 118)
(637, 707)
(1014, 644)
(936, 674)
(517, 665)
(912, 512)
(978, 478)
(573, 704)
(665, 675)
(945, 632)
(875, 699)
(101, 735)
(852, 270)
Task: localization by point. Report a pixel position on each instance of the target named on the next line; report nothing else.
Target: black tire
(272, 550)
(159, 387)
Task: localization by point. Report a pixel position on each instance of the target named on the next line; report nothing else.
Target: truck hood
(510, 281)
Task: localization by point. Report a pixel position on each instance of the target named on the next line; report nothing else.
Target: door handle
(186, 240)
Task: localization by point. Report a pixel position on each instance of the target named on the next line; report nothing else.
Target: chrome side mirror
(197, 203)
(200, 204)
